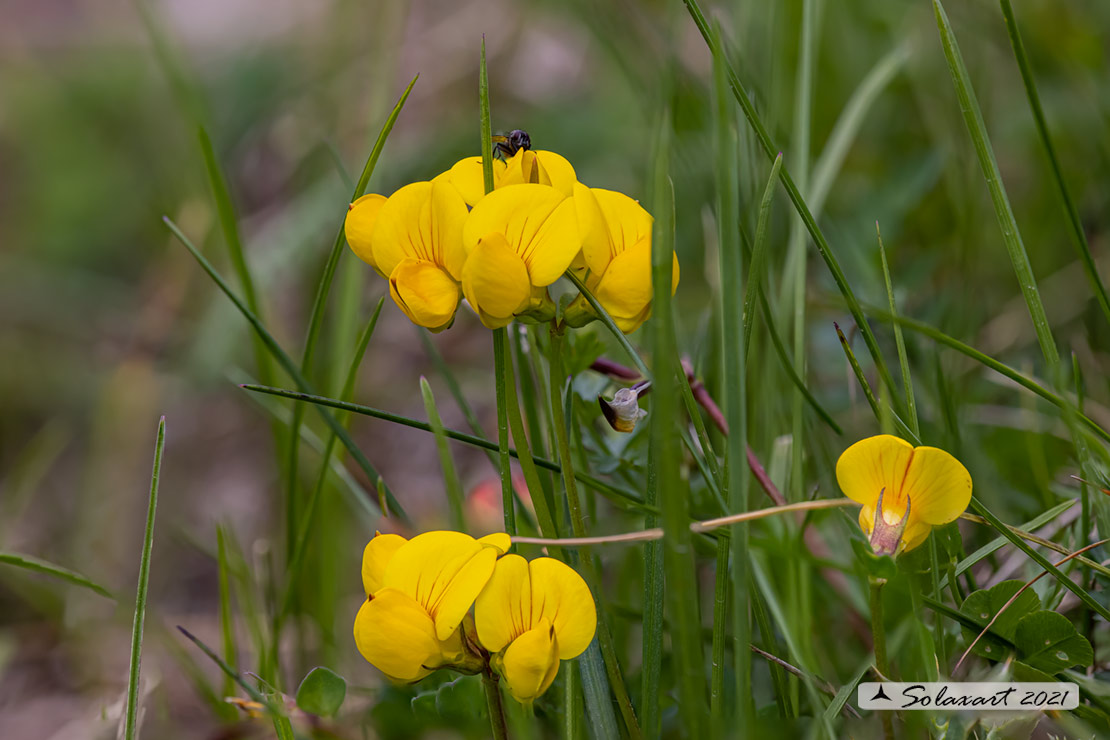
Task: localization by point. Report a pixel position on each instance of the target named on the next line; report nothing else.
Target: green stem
(500, 361)
(878, 635)
(578, 527)
(490, 682)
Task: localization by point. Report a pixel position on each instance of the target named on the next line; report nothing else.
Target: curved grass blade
(315, 321)
(296, 557)
(130, 727)
(30, 562)
(900, 341)
(965, 349)
(1039, 559)
(287, 364)
(973, 117)
(819, 240)
(759, 255)
(450, 474)
(1078, 234)
(733, 589)
(849, 122)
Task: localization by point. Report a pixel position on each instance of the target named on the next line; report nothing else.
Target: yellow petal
(530, 663)
(425, 292)
(495, 281)
(397, 636)
(626, 220)
(379, 551)
(444, 572)
(625, 289)
(597, 243)
(504, 608)
(499, 541)
(561, 596)
(421, 221)
(872, 465)
(447, 214)
(467, 178)
(559, 172)
(938, 486)
(538, 223)
(362, 215)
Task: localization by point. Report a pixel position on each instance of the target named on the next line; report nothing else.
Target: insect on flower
(506, 146)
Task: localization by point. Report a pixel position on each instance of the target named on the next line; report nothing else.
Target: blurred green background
(106, 322)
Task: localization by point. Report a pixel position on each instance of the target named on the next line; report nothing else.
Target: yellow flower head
(414, 238)
(418, 592)
(616, 247)
(530, 616)
(526, 166)
(905, 490)
(518, 240)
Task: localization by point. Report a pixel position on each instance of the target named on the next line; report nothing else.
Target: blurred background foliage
(106, 322)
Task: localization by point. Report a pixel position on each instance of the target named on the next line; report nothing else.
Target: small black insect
(506, 146)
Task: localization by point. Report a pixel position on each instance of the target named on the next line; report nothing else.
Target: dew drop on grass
(985, 615)
(1061, 655)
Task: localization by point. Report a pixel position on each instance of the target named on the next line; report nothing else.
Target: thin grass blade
(131, 725)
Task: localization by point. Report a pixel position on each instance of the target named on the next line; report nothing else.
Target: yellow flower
(518, 240)
(616, 247)
(418, 593)
(905, 490)
(530, 616)
(414, 238)
(544, 168)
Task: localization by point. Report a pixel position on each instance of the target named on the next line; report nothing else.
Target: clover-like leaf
(981, 606)
(322, 692)
(1049, 642)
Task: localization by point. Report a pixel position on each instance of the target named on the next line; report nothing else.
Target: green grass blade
(31, 563)
(602, 487)
(287, 364)
(973, 117)
(759, 255)
(131, 727)
(319, 305)
(788, 366)
(779, 618)
(876, 408)
(227, 623)
(678, 558)
(450, 474)
(452, 382)
(1039, 559)
(252, 692)
(611, 325)
(1078, 234)
(988, 361)
(819, 240)
(849, 123)
(732, 358)
(900, 341)
(296, 557)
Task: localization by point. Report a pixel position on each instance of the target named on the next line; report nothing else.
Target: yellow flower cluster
(441, 240)
(528, 616)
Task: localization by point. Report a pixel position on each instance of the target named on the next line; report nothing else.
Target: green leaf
(322, 692)
(981, 606)
(1049, 642)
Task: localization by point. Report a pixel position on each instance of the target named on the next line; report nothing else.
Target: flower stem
(490, 683)
(578, 527)
(878, 637)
